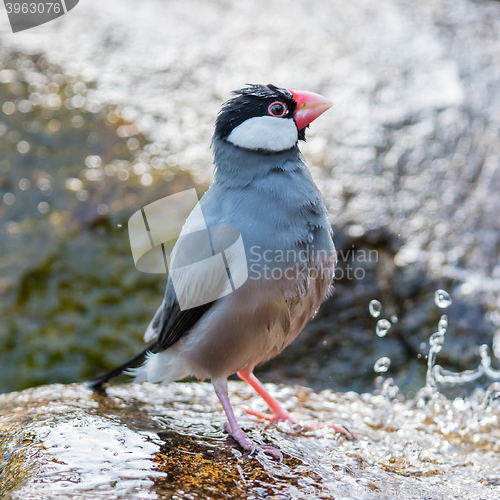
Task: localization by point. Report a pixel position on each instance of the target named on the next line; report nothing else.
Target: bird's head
(268, 118)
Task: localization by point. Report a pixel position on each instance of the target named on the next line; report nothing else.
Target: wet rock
(145, 441)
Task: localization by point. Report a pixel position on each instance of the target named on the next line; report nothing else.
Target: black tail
(96, 385)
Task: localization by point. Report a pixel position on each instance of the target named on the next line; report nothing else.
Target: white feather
(165, 367)
(152, 330)
(265, 132)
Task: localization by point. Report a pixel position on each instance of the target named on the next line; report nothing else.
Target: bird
(263, 188)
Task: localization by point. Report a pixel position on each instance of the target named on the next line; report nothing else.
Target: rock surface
(145, 441)
(408, 161)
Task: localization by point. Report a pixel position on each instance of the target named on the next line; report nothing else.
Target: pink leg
(280, 414)
(220, 386)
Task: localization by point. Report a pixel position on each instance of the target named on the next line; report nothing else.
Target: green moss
(71, 301)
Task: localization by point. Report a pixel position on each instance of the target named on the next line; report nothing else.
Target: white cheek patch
(265, 132)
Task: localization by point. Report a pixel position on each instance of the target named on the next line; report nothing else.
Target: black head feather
(250, 102)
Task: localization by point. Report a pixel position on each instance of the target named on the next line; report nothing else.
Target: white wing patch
(153, 329)
(265, 132)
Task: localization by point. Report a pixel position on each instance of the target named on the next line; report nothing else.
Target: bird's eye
(277, 109)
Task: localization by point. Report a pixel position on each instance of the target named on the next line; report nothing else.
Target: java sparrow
(261, 187)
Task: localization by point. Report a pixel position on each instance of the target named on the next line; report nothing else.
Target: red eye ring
(277, 113)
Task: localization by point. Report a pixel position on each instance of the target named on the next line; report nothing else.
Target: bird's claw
(268, 449)
(284, 416)
(337, 428)
(246, 443)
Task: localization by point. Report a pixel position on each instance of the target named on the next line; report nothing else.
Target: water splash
(446, 377)
(382, 365)
(169, 442)
(436, 341)
(375, 308)
(389, 389)
(436, 374)
(412, 450)
(398, 439)
(442, 299)
(443, 324)
(383, 326)
(486, 363)
(435, 345)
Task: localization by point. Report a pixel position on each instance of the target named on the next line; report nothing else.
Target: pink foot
(284, 416)
(281, 416)
(279, 413)
(232, 427)
(247, 444)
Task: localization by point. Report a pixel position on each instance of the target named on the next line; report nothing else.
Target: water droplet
(147, 180)
(8, 108)
(13, 229)
(102, 209)
(7, 76)
(382, 328)
(9, 198)
(82, 195)
(77, 121)
(412, 450)
(123, 175)
(140, 168)
(310, 237)
(93, 161)
(43, 207)
(54, 125)
(24, 184)
(394, 319)
(389, 389)
(491, 396)
(73, 184)
(382, 365)
(25, 106)
(496, 341)
(484, 352)
(375, 308)
(436, 341)
(443, 324)
(442, 299)
(23, 147)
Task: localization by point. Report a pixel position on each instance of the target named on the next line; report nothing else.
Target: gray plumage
(274, 203)
(271, 198)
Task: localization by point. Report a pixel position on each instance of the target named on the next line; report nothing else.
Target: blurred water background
(112, 107)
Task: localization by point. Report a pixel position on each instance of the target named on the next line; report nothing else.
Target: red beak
(309, 107)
